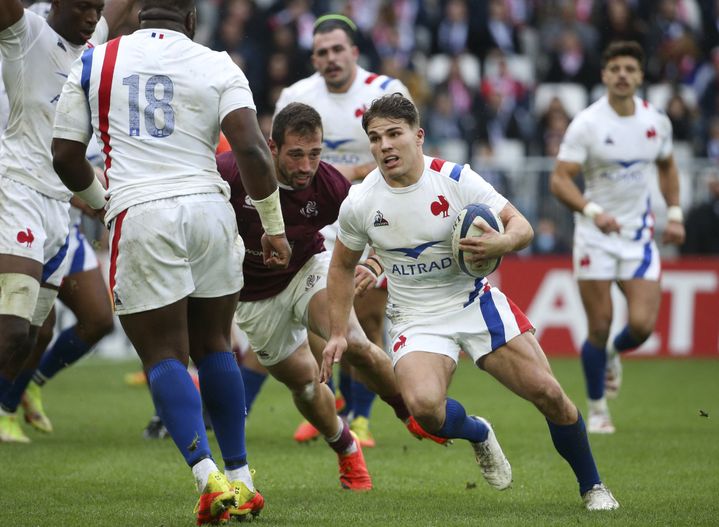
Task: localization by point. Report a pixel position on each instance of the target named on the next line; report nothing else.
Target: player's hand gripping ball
(464, 227)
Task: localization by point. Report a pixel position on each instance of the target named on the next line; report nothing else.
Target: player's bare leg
(370, 309)
(643, 299)
(446, 417)
(521, 366)
(372, 365)
(597, 301)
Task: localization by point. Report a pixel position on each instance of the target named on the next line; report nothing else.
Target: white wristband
(674, 213)
(270, 213)
(94, 195)
(591, 210)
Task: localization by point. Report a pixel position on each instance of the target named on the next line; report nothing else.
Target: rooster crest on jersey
(464, 227)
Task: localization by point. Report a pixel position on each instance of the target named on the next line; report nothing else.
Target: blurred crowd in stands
(495, 80)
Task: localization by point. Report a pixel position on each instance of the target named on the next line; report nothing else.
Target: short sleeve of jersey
(72, 116)
(477, 190)
(574, 145)
(352, 233)
(235, 90)
(16, 39)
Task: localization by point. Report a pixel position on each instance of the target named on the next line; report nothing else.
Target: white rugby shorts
(599, 256)
(80, 254)
(481, 327)
(164, 250)
(34, 226)
(277, 326)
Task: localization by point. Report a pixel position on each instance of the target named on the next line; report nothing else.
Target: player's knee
(305, 391)
(359, 349)
(599, 332)
(425, 409)
(551, 400)
(641, 330)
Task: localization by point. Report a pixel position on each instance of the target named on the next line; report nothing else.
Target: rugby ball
(464, 227)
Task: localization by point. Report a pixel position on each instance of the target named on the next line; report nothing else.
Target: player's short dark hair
(297, 118)
(182, 6)
(623, 48)
(392, 106)
(332, 21)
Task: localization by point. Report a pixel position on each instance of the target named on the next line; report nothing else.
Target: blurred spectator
(297, 13)
(572, 63)
(702, 223)
(498, 117)
(502, 81)
(550, 130)
(710, 23)
(712, 143)
(489, 167)
(393, 31)
(616, 21)
(453, 33)
(672, 48)
(498, 32)
(561, 15)
(547, 240)
(681, 117)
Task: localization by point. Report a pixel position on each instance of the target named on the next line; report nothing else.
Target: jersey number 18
(154, 103)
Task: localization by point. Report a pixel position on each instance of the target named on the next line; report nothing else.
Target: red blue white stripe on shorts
(500, 314)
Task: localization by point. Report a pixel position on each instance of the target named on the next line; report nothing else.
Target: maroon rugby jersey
(305, 212)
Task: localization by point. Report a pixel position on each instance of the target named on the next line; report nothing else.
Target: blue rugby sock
(11, 400)
(594, 361)
(178, 404)
(253, 382)
(5, 385)
(572, 443)
(362, 398)
(346, 391)
(224, 395)
(624, 341)
(458, 425)
(68, 348)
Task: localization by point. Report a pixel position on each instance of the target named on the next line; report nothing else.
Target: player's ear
(420, 136)
(273, 147)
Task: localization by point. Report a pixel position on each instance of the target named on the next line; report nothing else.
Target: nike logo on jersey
(334, 145)
(608, 141)
(61, 45)
(61, 74)
(415, 252)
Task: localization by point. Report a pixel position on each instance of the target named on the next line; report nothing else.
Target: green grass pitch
(662, 464)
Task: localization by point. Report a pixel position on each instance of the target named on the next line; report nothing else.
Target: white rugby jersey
(4, 104)
(35, 64)
(155, 100)
(345, 142)
(618, 157)
(410, 229)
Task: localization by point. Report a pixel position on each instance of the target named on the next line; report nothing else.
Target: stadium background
(497, 83)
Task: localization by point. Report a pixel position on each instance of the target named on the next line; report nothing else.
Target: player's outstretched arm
(258, 177)
(340, 294)
(566, 190)
(669, 187)
(10, 12)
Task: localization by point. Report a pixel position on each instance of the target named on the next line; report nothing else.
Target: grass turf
(95, 469)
